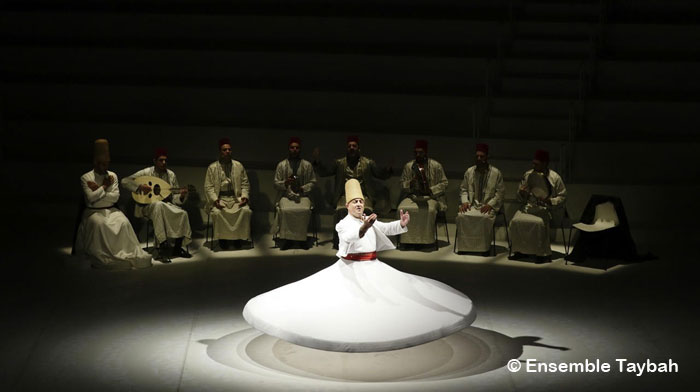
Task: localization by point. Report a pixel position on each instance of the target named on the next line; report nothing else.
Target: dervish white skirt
(360, 306)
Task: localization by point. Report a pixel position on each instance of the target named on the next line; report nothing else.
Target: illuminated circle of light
(468, 352)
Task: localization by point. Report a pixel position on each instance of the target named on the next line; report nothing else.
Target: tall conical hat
(353, 190)
(101, 150)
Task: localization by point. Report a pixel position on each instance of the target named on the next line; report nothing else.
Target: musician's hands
(524, 191)
(464, 207)
(92, 185)
(405, 218)
(291, 195)
(486, 208)
(143, 189)
(289, 181)
(218, 204)
(244, 201)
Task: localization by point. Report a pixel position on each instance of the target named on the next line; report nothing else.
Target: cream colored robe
(474, 229)
(233, 221)
(169, 220)
(293, 213)
(423, 209)
(529, 228)
(105, 234)
(365, 169)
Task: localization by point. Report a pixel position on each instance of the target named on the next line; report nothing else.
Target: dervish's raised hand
(405, 218)
(368, 222)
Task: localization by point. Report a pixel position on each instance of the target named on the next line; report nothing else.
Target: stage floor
(178, 327)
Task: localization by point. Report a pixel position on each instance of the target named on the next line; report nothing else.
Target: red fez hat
(160, 152)
(483, 147)
(542, 155)
(353, 138)
(224, 140)
(422, 144)
(294, 139)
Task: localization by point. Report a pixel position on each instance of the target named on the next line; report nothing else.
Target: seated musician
(481, 193)
(105, 234)
(171, 224)
(294, 180)
(227, 189)
(352, 165)
(423, 184)
(542, 194)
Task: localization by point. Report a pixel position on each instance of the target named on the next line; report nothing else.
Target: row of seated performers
(106, 235)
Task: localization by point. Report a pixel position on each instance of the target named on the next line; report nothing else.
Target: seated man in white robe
(481, 194)
(423, 184)
(352, 165)
(105, 234)
(226, 188)
(171, 223)
(294, 180)
(542, 194)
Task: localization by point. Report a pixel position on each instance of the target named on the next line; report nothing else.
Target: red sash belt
(361, 256)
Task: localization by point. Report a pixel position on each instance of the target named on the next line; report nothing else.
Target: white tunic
(423, 209)
(293, 215)
(529, 228)
(361, 306)
(105, 234)
(169, 220)
(474, 229)
(233, 221)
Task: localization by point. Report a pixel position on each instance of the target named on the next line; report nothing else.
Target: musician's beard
(353, 159)
(226, 159)
(482, 165)
(422, 160)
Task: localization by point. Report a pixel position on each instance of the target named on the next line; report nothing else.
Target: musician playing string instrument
(171, 224)
(423, 184)
(542, 194)
(294, 180)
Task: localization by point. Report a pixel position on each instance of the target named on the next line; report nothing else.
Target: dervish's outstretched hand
(368, 222)
(405, 218)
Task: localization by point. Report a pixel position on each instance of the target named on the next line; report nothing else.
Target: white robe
(474, 229)
(361, 306)
(529, 228)
(423, 209)
(168, 218)
(293, 215)
(233, 221)
(105, 234)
